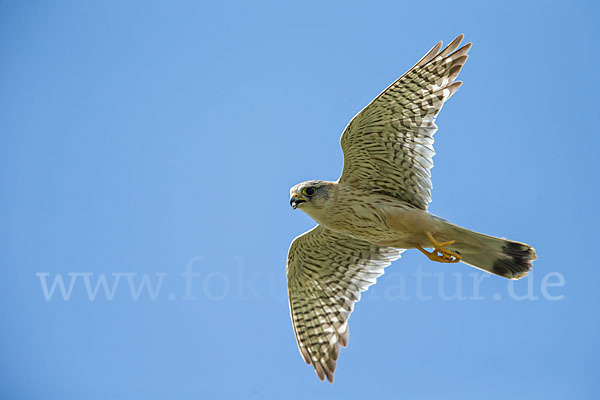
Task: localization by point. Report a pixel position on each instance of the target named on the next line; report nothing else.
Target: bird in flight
(378, 208)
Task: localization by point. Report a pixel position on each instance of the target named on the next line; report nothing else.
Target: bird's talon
(439, 252)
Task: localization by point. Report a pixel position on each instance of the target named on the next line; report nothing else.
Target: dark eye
(309, 191)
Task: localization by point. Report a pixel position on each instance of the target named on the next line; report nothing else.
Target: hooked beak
(296, 200)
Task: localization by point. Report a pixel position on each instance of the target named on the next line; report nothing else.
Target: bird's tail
(497, 256)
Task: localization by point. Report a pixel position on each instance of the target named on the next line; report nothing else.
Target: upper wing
(388, 146)
(326, 273)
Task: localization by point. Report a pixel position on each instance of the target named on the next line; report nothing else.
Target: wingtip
(435, 49)
(452, 46)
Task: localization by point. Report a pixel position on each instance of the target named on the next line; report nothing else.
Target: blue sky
(141, 140)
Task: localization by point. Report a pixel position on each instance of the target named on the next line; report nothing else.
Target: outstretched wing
(326, 272)
(388, 146)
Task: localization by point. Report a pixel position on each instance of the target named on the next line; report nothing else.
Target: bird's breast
(376, 218)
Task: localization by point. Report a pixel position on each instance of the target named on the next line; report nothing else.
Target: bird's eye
(309, 191)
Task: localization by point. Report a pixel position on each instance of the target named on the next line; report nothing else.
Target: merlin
(378, 208)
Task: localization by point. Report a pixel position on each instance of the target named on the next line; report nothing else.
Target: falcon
(378, 208)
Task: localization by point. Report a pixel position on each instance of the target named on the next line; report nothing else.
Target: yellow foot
(440, 253)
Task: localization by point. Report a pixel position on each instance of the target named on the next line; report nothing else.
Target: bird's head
(311, 196)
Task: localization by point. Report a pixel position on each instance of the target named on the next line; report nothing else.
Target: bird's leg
(440, 253)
